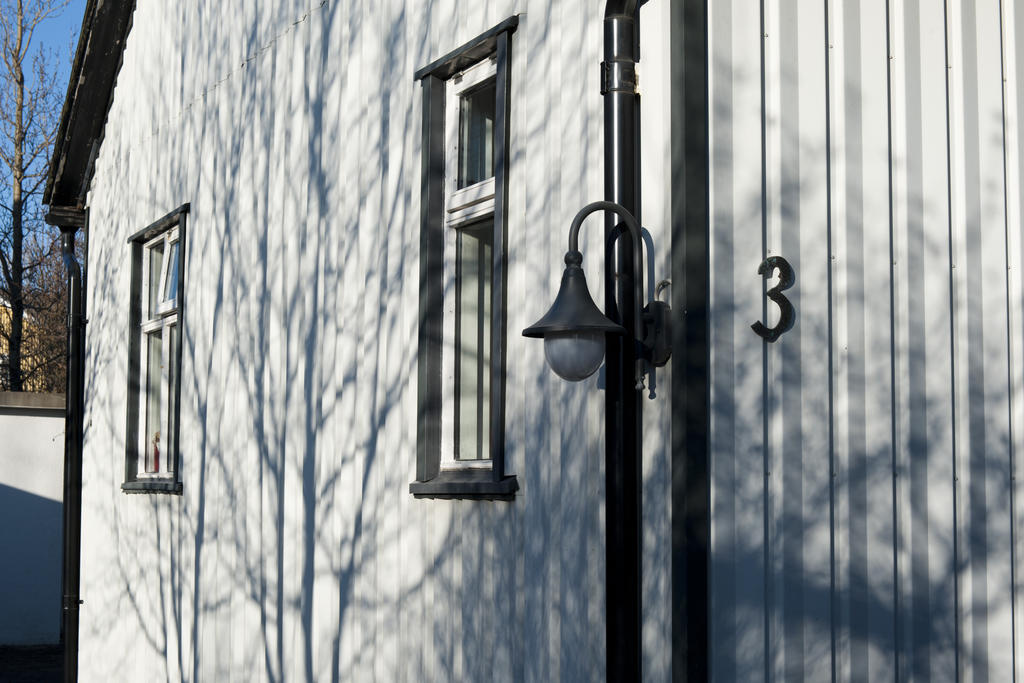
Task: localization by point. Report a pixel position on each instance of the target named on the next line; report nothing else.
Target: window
(468, 268)
(155, 321)
(461, 359)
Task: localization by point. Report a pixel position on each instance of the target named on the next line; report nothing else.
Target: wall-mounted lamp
(574, 328)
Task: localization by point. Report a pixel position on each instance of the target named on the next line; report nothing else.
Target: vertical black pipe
(499, 251)
(622, 400)
(72, 456)
(691, 358)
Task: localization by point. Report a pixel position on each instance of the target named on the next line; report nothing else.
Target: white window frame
(473, 203)
(166, 300)
(162, 320)
(463, 207)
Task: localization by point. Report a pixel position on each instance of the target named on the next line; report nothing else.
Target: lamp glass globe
(574, 356)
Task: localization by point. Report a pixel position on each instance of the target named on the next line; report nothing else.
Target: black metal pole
(691, 372)
(622, 399)
(72, 456)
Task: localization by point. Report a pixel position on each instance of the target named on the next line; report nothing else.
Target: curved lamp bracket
(574, 309)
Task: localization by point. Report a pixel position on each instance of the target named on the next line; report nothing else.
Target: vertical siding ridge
(957, 629)
(1009, 345)
(861, 483)
(766, 414)
(1014, 26)
(833, 595)
(894, 404)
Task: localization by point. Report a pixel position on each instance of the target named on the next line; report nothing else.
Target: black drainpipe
(622, 400)
(73, 456)
(69, 220)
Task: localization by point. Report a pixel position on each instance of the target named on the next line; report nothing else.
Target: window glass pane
(154, 366)
(476, 136)
(473, 342)
(172, 397)
(171, 288)
(156, 262)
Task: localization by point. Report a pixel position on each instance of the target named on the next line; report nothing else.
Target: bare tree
(29, 111)
(44, 361)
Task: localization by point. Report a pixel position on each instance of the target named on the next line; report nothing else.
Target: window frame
(168, 314)
(469, 205)
(163, 319)
(466, 205)
(469, 212)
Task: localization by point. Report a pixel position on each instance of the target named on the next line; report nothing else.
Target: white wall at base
(31, 494)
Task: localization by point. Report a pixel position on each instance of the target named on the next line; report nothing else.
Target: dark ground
(31, 664)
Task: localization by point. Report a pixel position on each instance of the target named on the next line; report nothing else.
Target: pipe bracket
(619, 76)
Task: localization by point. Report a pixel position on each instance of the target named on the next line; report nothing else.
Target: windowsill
(466, 484)
(152, 486)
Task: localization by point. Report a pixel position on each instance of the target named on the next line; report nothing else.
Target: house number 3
(786, 312)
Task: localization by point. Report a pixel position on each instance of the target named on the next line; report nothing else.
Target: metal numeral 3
(786, 313)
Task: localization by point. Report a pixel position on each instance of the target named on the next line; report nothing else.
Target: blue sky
(60, 34)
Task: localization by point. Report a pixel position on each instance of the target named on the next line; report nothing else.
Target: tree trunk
(17, 224)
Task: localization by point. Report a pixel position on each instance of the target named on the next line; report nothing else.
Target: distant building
(32, 351)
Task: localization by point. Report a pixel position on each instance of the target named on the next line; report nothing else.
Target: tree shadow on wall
(860, 585)
(282, 560)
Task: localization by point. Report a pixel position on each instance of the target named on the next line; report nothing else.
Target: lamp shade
(573, 329)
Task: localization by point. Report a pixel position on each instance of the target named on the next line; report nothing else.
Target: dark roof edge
(465, 54)
(105, 28)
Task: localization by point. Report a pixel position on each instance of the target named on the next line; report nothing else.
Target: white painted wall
(31, 493)
(296, 551)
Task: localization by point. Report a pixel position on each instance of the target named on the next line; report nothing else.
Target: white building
(30, 505)
(317, 447)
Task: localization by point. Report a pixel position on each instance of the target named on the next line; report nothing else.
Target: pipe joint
(619, 76)
(67, 241)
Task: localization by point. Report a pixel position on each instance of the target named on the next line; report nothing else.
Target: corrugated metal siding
(863, 518)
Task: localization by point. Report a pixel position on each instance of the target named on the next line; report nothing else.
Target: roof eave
(101, 43)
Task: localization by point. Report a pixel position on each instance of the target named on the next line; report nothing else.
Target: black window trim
(431, 480)
(132, 482)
